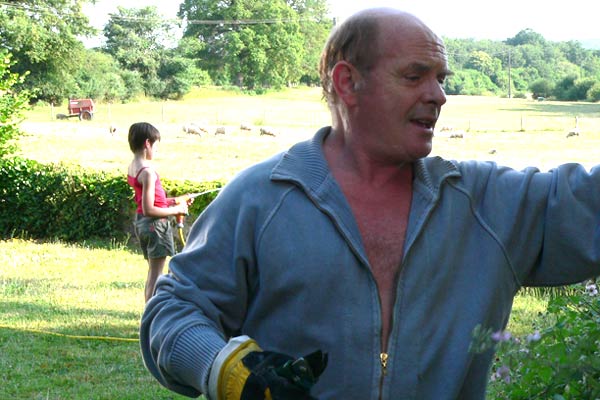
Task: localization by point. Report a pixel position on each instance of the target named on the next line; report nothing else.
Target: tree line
(524, 64)
(254, 46)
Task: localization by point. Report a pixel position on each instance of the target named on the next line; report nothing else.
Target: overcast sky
(459, 19)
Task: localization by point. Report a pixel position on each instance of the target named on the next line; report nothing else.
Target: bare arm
(148, 179)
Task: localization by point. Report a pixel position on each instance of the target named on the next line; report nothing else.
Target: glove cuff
(223, 373)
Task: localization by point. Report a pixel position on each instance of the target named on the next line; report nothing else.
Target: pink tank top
(160, 196)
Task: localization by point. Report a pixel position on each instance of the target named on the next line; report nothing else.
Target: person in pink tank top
(152, 226)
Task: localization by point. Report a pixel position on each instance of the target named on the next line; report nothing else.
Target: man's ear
(346, 81)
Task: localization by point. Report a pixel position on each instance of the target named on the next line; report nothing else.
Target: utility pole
(509, 77)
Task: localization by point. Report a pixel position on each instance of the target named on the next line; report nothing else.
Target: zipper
(383, 357)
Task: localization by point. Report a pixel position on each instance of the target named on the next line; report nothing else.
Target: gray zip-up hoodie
(278, 256)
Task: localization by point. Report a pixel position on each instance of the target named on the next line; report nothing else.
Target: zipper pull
(383, 357)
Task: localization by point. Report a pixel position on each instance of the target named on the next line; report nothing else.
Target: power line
(258, 21)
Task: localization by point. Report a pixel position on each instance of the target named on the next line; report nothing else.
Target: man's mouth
(426, 123)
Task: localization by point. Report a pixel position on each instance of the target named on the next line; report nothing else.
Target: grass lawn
(69, 322)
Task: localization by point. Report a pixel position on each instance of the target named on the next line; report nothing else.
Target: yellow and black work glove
(249, 373)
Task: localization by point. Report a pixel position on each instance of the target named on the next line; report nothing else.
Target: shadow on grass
(43, 366)
(70, 321)
(590, 110)
(38, 287)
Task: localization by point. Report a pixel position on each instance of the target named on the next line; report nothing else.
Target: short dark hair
(139, 133)
(356, 41)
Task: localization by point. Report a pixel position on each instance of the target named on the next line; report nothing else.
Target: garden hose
(64, 335)
(179, 218)
(181, 235)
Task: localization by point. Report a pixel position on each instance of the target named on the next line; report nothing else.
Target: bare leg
(155, 269)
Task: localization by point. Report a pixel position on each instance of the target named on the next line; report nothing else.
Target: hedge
(64, 202)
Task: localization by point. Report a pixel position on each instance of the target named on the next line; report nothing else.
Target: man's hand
(246, 372)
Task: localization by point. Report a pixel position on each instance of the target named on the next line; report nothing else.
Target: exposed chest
(382, 220)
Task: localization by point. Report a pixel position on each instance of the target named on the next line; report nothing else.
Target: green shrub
(57, 201)
(593, 93)
(63, 202)
(560, 362)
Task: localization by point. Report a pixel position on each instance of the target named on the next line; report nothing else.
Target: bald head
(360, 40)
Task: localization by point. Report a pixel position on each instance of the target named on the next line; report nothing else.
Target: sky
(560, 20)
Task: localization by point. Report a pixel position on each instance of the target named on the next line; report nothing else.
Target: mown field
(70, 312)
(514, 132)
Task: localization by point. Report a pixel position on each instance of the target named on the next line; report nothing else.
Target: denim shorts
(155, 236)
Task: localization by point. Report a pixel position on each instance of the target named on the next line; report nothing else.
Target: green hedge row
(57, 201)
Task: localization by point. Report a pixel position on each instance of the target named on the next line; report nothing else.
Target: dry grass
(513, 132)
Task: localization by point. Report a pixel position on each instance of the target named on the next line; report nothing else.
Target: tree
(574, 52)
(13, 103)
(565, 88)
(469, 82)
(484, 63)
(42, 37)
(178, 75)
(246, 43)
(541, 88)
(315, 26)
(137, 39)
(526, 36)
(102, 82)
(594, 92)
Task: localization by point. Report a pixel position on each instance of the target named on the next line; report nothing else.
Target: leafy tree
(470, 82)
(134, 84)
(582, 87)
(246, 43)
(565, 88)
(526, 36)
(594, 93)
(103, 82)
(486, 64)
(534, 63)
(521, 78)
(315, 26)
(541, 88)
(179, 74)
(12, 103)
(42, 37)
(136, 39)
(141, 41)
(482, 62)
(573, 52)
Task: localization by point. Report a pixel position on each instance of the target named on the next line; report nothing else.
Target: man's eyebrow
(421, 67)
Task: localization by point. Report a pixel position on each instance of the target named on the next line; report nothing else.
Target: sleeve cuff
(215, 371)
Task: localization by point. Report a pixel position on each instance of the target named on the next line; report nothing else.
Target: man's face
(401, 97)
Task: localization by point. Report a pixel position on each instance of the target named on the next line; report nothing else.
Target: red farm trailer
(82, 108)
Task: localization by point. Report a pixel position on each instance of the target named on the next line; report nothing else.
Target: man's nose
(434, 93)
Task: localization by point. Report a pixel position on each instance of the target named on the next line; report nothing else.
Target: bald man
(354, 266)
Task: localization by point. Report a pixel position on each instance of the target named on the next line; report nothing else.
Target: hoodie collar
(305, 165)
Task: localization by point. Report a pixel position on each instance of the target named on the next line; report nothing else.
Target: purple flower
(534, 337)
(502, 373)
(591, 289)
(501, 336)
